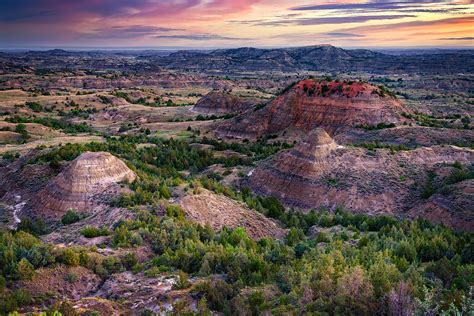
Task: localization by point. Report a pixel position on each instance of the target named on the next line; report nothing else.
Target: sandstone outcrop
(319, 173)
(219, 103)
(80, 185)
(334, 106)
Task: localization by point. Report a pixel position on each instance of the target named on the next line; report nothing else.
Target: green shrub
(175, 211)
(153, 272)
(25, 269)
(35, 107)
(35, 228)
(10, 302)
(70, 217)
(70, 257)
(322, 237)
(112, 265)
(406, 250)
(182, 282)
(92, 232)
(122, 237)
(129, 260)
(21, 129)
(460, 174)
(71, 277)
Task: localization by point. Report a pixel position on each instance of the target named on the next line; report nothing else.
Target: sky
(235, 23)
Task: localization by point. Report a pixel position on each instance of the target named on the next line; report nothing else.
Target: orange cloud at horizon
(232, 23)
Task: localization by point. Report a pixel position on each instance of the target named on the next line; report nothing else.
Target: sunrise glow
(235, 23)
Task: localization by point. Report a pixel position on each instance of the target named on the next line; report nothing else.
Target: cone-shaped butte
(318, 143)
(319, 173)
(78, 185)
(309, 156)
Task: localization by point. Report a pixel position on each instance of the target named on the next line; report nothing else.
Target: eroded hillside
(205, 182)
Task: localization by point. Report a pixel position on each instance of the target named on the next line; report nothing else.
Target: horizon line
(204, 48)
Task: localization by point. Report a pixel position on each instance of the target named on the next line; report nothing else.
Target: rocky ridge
(334, 106)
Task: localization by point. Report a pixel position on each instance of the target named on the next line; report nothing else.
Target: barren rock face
(316, 145)
(221, 103)
(318, 173)
(334, 106)
(89, 175)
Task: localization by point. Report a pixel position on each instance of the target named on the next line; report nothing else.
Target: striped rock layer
(219, 103)
(334, 106)
(319, 173)
(80, 184)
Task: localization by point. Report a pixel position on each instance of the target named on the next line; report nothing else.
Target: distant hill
(319, 58)
(247, 59)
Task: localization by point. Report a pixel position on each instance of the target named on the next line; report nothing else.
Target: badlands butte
(148, 176)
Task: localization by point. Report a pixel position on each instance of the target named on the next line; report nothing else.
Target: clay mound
(318, 143)
(78, 186)
(334, 106)
(219, 211)
(327, 175)
(222, 103)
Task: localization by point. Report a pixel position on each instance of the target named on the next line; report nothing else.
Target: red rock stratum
(310, 103)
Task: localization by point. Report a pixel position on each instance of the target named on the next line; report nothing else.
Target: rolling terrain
(307, 180)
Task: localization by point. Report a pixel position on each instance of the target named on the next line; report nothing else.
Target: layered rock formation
(81, 184)
(319, 173)
(310, 103)
(219, 103)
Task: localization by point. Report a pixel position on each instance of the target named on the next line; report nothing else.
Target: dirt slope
(219, 211)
